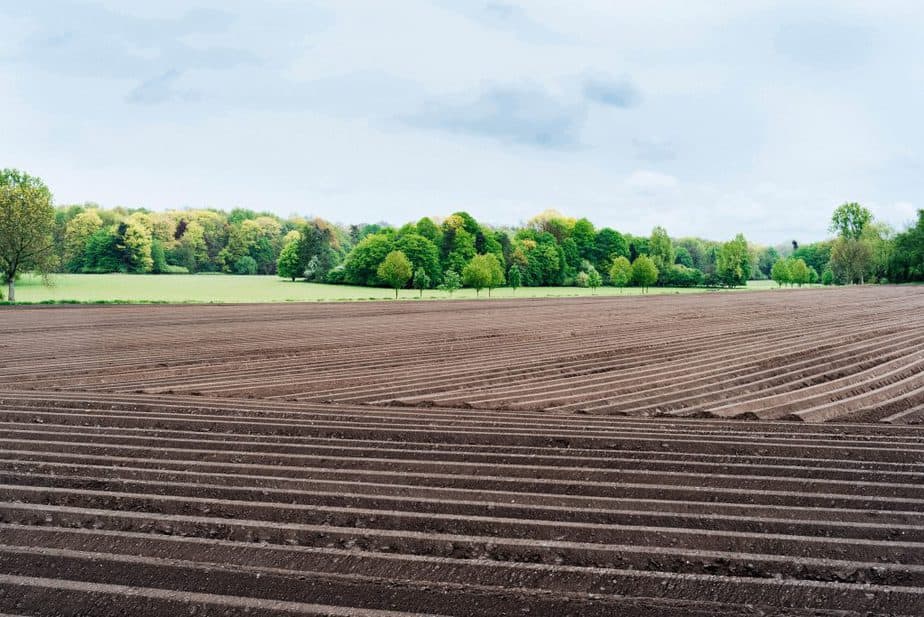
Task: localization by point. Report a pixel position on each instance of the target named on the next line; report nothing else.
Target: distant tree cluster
(443, 253)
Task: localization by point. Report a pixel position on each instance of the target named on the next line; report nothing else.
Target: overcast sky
(707, 117)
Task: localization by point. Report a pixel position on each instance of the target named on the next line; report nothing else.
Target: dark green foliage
(733, 263)
(608, 244)
(422, 253)
(678, 275)
(682, 257)
(907, 260)
(514, 277)
(102, 253)
(361, 265)
(245, 265)
(159, 257)
(421, 280)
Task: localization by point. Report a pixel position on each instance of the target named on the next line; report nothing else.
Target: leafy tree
(451, 282)
(101, 253)
(766, 259)
(733, 263)
(907, 260)
(594, 280)
(514, 277)
(799, 273)
(608, 244)
(644, 272)
(780, 272)
(581, 280)
(681, 276)
(395, 271)
(422, 253)
(682, 256)
(849, 220)
(483, 271)
(158, 257)
(815, 255)
(661, 249)
(361, 265)
(458, 242)
(851, 260)
(584, 236)
(429, 230)
(827, 277)
(135, 244)
(245, 265)
(289, 265)
(78, 231)
(421, 280)
(27, 220)
(318, 240)
(621, 272)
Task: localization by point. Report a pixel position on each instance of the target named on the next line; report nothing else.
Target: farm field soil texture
(226, 288)
(699, 454)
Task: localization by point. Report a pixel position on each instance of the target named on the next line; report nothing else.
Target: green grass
(229, 288)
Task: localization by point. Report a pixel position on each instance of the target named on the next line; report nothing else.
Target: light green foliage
(136, 247)
(644, 272)
(421, 280)
(77, 233)
(27, 220)
(451, 282)
(514, 277)
(621, 272)
(661, 249)
(780, 272)
(799, 273)
(594, 280)
(733, 262)
(288, 265)
(422, 253)
(158, 257)
(395, 271)
(849, 220)
(827, 277)
(483, 271)
(581, 280)
(361, 266)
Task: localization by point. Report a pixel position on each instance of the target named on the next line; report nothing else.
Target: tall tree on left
(26, 223)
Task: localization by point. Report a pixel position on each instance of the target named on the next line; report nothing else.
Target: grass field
(229, 288)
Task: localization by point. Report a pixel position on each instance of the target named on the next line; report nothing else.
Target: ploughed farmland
(749, 454)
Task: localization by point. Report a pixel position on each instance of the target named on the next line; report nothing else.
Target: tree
(78, 231)
(288, 264)
(644, 272)
(395, 271)
(245, 265)
(594, 280)
(682, 256)
(421, 280)
(851, 260)
(827, 277)
(780, 272)
(621, 272)
(799, 273)
(608, 244)
(361, 265)
(849, 220)
(514, 277)
(27, 220)
(136, 247)
(907, 260)
(422, 253)
(483, 271)
(158, 257)
(733, 262)
(451, 282)
(661, 249)
(581, 279)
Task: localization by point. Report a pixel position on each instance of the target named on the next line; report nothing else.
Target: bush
(682, 276)
(245, 265)
(171, 269)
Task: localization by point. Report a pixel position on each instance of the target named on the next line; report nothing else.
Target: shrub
(245, 265)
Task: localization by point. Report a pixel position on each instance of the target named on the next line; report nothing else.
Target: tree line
(447, 252)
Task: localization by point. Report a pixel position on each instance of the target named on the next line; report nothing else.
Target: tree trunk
(11, 295)
(396, 293)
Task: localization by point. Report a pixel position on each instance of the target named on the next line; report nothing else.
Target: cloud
(159, 89)
(653, 150)
(611, 92)
(528, 116)
(648, 182)
(508, 17)
(824, 43)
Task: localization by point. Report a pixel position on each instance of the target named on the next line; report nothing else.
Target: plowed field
(752, 454)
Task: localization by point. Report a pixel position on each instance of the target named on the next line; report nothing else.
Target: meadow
(223, 288)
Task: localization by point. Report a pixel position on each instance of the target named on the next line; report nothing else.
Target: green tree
(584, 236)
(78, 231)
(429, 230)
(245, 265)
(422, 253)
(733, 262)
(621, 272)
(644, 272)
(780, 272)
(661, 249)
(907, 260)
(827, 277)
(135, 245)
(288, 264)
(27, 220)
(849, 220)
(851, 260)
(483, 271)
(682, 256)
(158, 257)
(451, 282)
(361, 265)
(395, 271)
(594, 280)
(421, 280)
(608, 244)
(514, 277)
(799, 273)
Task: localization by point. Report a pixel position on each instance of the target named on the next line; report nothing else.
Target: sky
(709, 118)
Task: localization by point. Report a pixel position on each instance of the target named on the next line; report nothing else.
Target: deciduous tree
(395, 271)
(27, 220)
